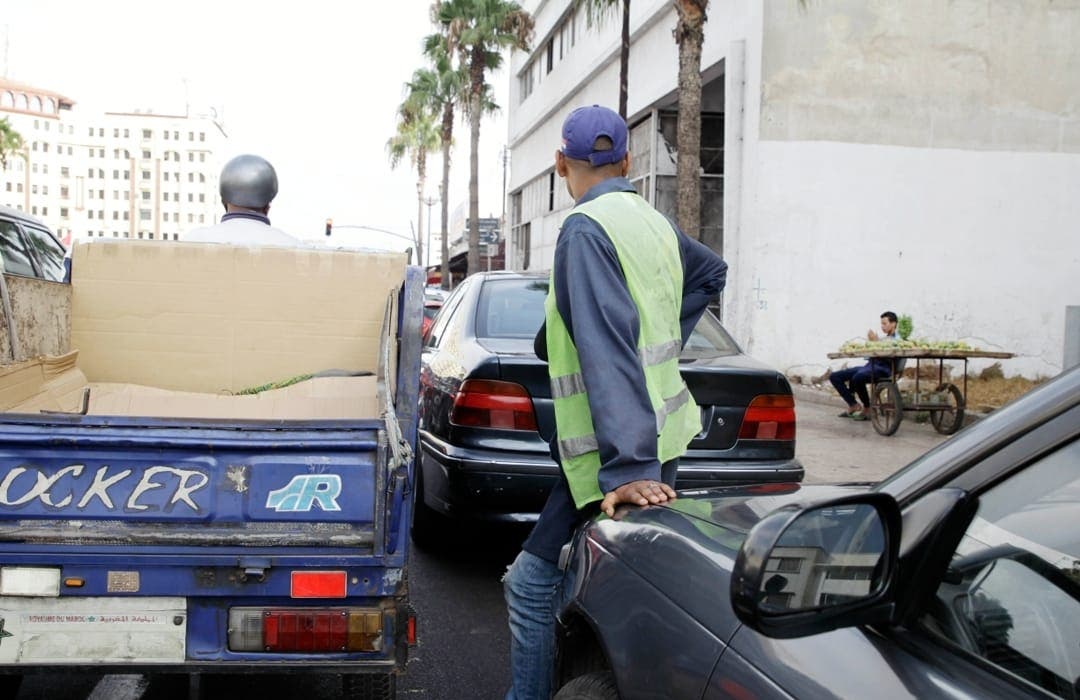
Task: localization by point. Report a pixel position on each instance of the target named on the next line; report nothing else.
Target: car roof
(21, 215)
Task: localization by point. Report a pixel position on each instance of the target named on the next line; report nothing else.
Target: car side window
(13, 251)
(49, 253)
(439, 326)
(1012, 592)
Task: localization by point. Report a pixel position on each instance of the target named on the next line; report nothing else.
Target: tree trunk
(476, 73)
(689, 34)
(447, 140)
(624, 59)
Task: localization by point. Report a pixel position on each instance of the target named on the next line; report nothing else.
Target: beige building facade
(112, 174)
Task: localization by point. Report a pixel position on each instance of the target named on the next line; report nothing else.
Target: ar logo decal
(305, 491)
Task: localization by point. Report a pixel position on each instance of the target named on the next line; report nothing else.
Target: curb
(818, 394)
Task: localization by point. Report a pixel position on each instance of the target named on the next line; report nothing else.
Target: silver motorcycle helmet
(248, 181)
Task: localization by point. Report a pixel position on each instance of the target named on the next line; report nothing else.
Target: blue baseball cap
(586, 124)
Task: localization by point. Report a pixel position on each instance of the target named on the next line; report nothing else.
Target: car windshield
(514, 308)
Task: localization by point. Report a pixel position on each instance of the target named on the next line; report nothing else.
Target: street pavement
(834, 449)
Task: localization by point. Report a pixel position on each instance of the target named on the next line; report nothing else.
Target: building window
(551, 192)
(190, 197)
(147, 133)
(191, 136)
(549, 55)
(202, 135)
(146, 195)
(202, 197)
(144, 215)
(166, 132)
(65, 171)
(116, 133)
(63, 192)
(63, 212)
(146, 174)
(146, 154)
(191, 177)
(166, 177)
(127, 134)
(191, 157)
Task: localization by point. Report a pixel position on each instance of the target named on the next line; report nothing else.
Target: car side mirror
(808, 569)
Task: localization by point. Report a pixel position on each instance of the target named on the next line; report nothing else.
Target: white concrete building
(113, 174)
(921, 156)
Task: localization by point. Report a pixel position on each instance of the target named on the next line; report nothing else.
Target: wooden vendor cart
(945, 404)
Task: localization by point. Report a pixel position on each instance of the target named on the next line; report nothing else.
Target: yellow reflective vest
(648, 250)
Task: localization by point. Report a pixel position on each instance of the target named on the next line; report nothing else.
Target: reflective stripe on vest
(648, 252)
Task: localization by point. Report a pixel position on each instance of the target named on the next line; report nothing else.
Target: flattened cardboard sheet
(214, 318)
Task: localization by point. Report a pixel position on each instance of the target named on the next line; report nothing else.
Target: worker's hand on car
(640, 493)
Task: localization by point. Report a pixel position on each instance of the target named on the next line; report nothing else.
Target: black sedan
(486, 412)
(958, 577)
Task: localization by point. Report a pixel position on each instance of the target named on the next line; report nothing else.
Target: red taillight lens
(487, 403)
(285, 630)
(769, 417)
(410, 633)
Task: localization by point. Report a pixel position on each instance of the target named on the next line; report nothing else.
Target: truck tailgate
(88, 480)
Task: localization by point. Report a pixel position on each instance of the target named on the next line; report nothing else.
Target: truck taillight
(488, 403)
(769, 417)
(305, 630)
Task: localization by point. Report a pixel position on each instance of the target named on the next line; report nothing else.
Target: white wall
(976, 246)
(980, 244)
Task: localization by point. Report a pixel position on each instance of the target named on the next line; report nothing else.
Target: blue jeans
(858, 378)
(533, 590)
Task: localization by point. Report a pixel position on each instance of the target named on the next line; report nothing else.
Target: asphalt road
(463, 653)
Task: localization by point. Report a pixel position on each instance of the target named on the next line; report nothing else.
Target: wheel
(599, 685)
(369, 686)
(948, 420)
(886, 408)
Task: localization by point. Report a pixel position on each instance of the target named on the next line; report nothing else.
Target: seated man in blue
(853, 380)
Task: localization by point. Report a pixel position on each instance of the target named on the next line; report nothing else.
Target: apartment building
(135, 175)
(911, 155)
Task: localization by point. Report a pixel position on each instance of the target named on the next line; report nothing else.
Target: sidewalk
(836, 449)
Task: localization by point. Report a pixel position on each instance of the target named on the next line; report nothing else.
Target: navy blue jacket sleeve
(594, 301)
(704, 276)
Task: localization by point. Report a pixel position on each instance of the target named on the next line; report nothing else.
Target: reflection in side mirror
(826, 556)
(809, 569)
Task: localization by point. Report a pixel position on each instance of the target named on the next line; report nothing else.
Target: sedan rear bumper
(511, 486)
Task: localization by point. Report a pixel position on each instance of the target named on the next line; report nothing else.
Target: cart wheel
(886, 408)
(948, 420)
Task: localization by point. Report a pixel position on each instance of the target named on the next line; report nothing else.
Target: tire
(599, 685)
(948, 421)
(886, 408)
(369, 686)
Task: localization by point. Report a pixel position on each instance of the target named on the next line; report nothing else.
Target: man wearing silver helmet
(248, 184)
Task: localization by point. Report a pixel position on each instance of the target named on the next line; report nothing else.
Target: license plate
(92, 630)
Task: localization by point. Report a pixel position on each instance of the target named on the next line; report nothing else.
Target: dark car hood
(686, 549)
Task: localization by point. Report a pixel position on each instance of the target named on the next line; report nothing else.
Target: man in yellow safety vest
(627, 288)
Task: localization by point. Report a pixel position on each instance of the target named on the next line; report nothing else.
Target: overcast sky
(312, 86)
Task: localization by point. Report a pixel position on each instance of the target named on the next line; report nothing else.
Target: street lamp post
(429, 201)
(410, 239)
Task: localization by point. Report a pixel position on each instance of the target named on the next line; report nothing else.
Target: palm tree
(11, 142)
(439, 89)
(417, 135)
(478, 30)
(595, 10)
(689, 34)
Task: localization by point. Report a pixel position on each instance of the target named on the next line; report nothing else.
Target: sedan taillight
(769, 417)
(487, 403)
